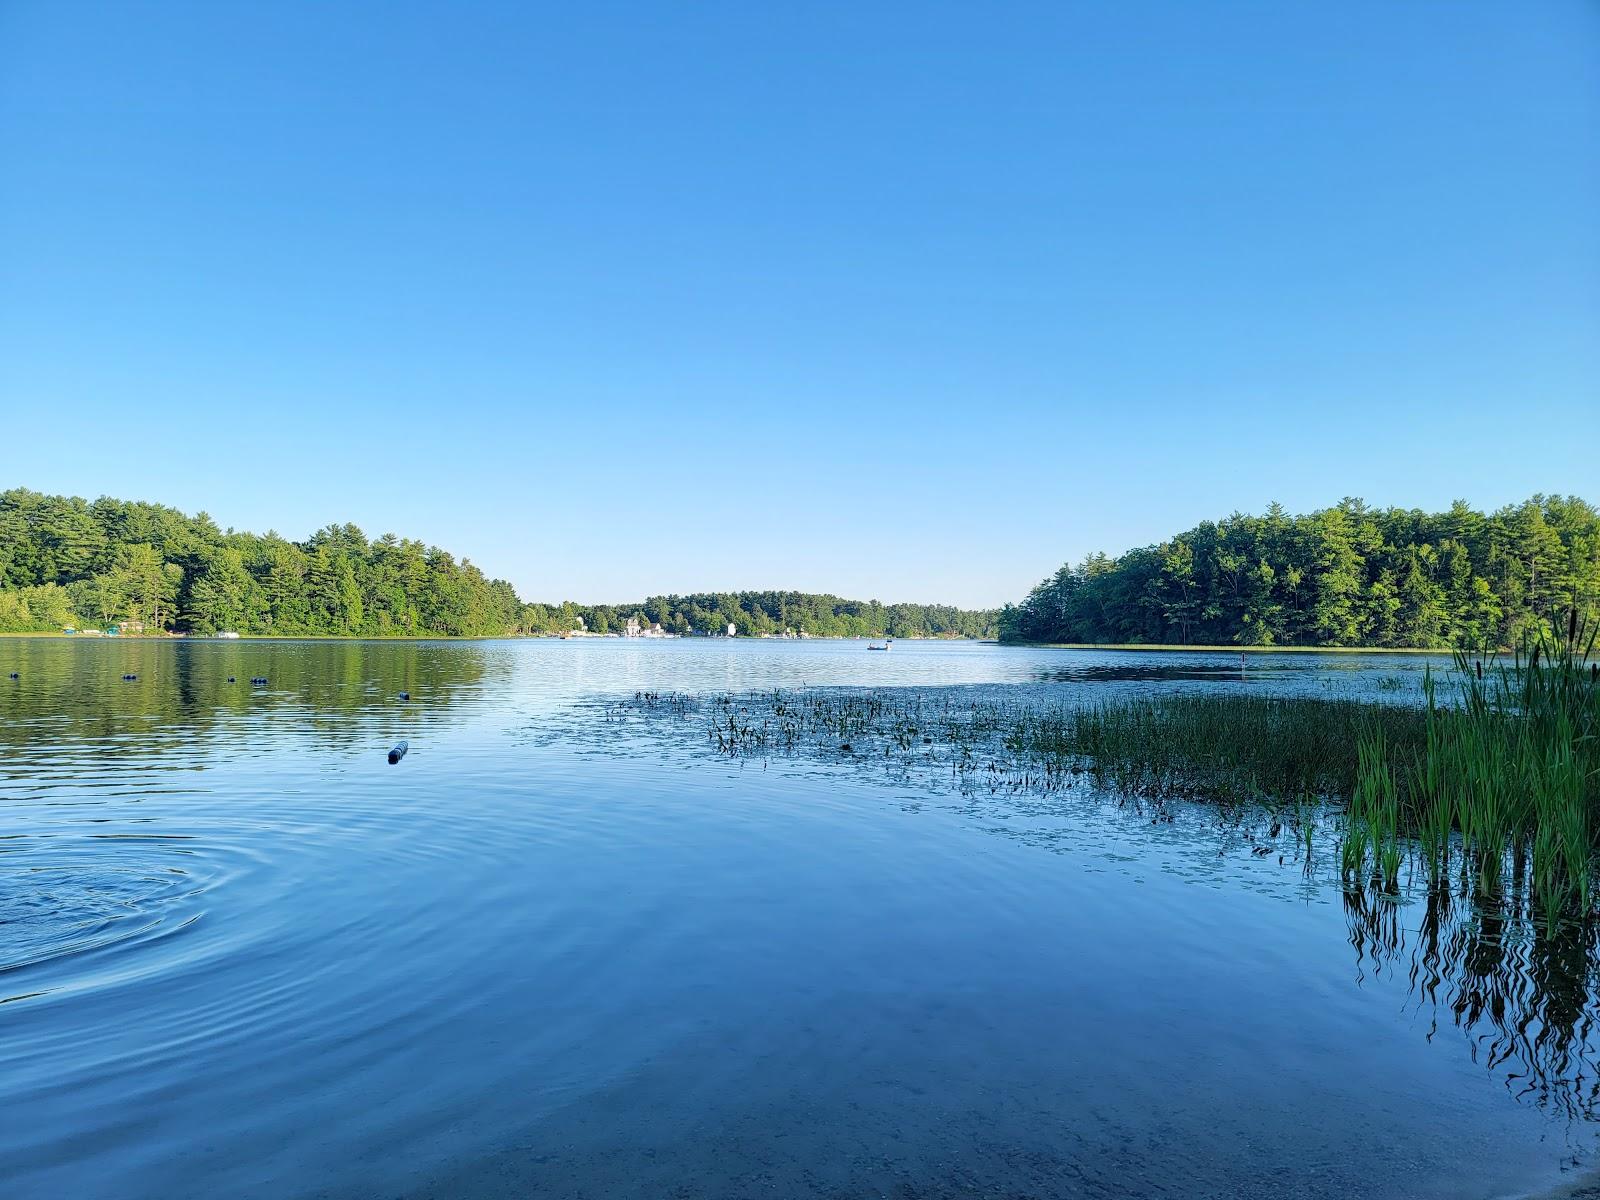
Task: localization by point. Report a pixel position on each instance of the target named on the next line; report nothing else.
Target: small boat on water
(887, 644)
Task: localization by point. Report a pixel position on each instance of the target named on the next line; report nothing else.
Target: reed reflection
(1521, 989)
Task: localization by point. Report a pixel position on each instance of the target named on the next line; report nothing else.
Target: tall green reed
(1510, 763)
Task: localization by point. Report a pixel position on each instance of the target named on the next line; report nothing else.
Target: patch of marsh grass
(1490, 783)
(1228, 748)
(1510, 761)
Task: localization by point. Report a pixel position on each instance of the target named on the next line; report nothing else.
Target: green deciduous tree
(1345, 576)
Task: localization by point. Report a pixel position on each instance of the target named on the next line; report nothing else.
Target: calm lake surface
(552, 954)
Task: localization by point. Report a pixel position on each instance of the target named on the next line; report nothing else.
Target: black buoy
(15, 675)
(403, 695)
(128, 677)
(231, 679)
(259, 681)
(399, 752)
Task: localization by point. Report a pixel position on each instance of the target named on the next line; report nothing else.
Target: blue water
(550, 955)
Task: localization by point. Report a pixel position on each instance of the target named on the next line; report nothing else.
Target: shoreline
(455, 637)
(1145, 647)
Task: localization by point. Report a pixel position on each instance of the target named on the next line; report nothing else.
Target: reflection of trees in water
(71, 695)
(1522, 992)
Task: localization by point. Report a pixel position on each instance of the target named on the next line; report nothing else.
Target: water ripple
(549, 953)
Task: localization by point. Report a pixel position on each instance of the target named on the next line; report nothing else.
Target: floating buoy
(403, 695)
(128, 677)
(399, 752)
(231, 679)
(259, 680)
(15, 675)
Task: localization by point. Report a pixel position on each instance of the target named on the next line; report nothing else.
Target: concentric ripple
(65, 895)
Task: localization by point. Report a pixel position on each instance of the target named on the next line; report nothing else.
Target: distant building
(733, 630)
(633, 629)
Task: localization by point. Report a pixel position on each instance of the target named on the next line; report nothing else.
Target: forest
(757, 613)
(67, 562)
(1348, 575)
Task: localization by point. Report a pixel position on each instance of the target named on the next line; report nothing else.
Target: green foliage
(1345, 576)
(1512, 763)
(64, 561)
(753, 614)
(35, 609)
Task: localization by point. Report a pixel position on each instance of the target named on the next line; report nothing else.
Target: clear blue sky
(906, 301)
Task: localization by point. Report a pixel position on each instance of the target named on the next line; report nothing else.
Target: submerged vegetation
(1498, 770)
(1490, 782)
(1459, 819)
(1345, 576)
(67, 562)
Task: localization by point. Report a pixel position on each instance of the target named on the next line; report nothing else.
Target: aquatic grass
(1511, 762)
(1220, 748)
(1306, 823)
(1482, 787)
(1489, 782)
(1500, 766)
(1372, 821)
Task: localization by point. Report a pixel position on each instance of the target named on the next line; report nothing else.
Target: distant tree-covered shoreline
(756, 613)
(1344, 576)
(65, 561)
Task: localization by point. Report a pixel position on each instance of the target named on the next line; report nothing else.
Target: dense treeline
(757, 613)
(1345, 576)
(64, 561)
(67, 562)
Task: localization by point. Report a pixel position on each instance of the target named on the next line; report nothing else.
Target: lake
(559, 952)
